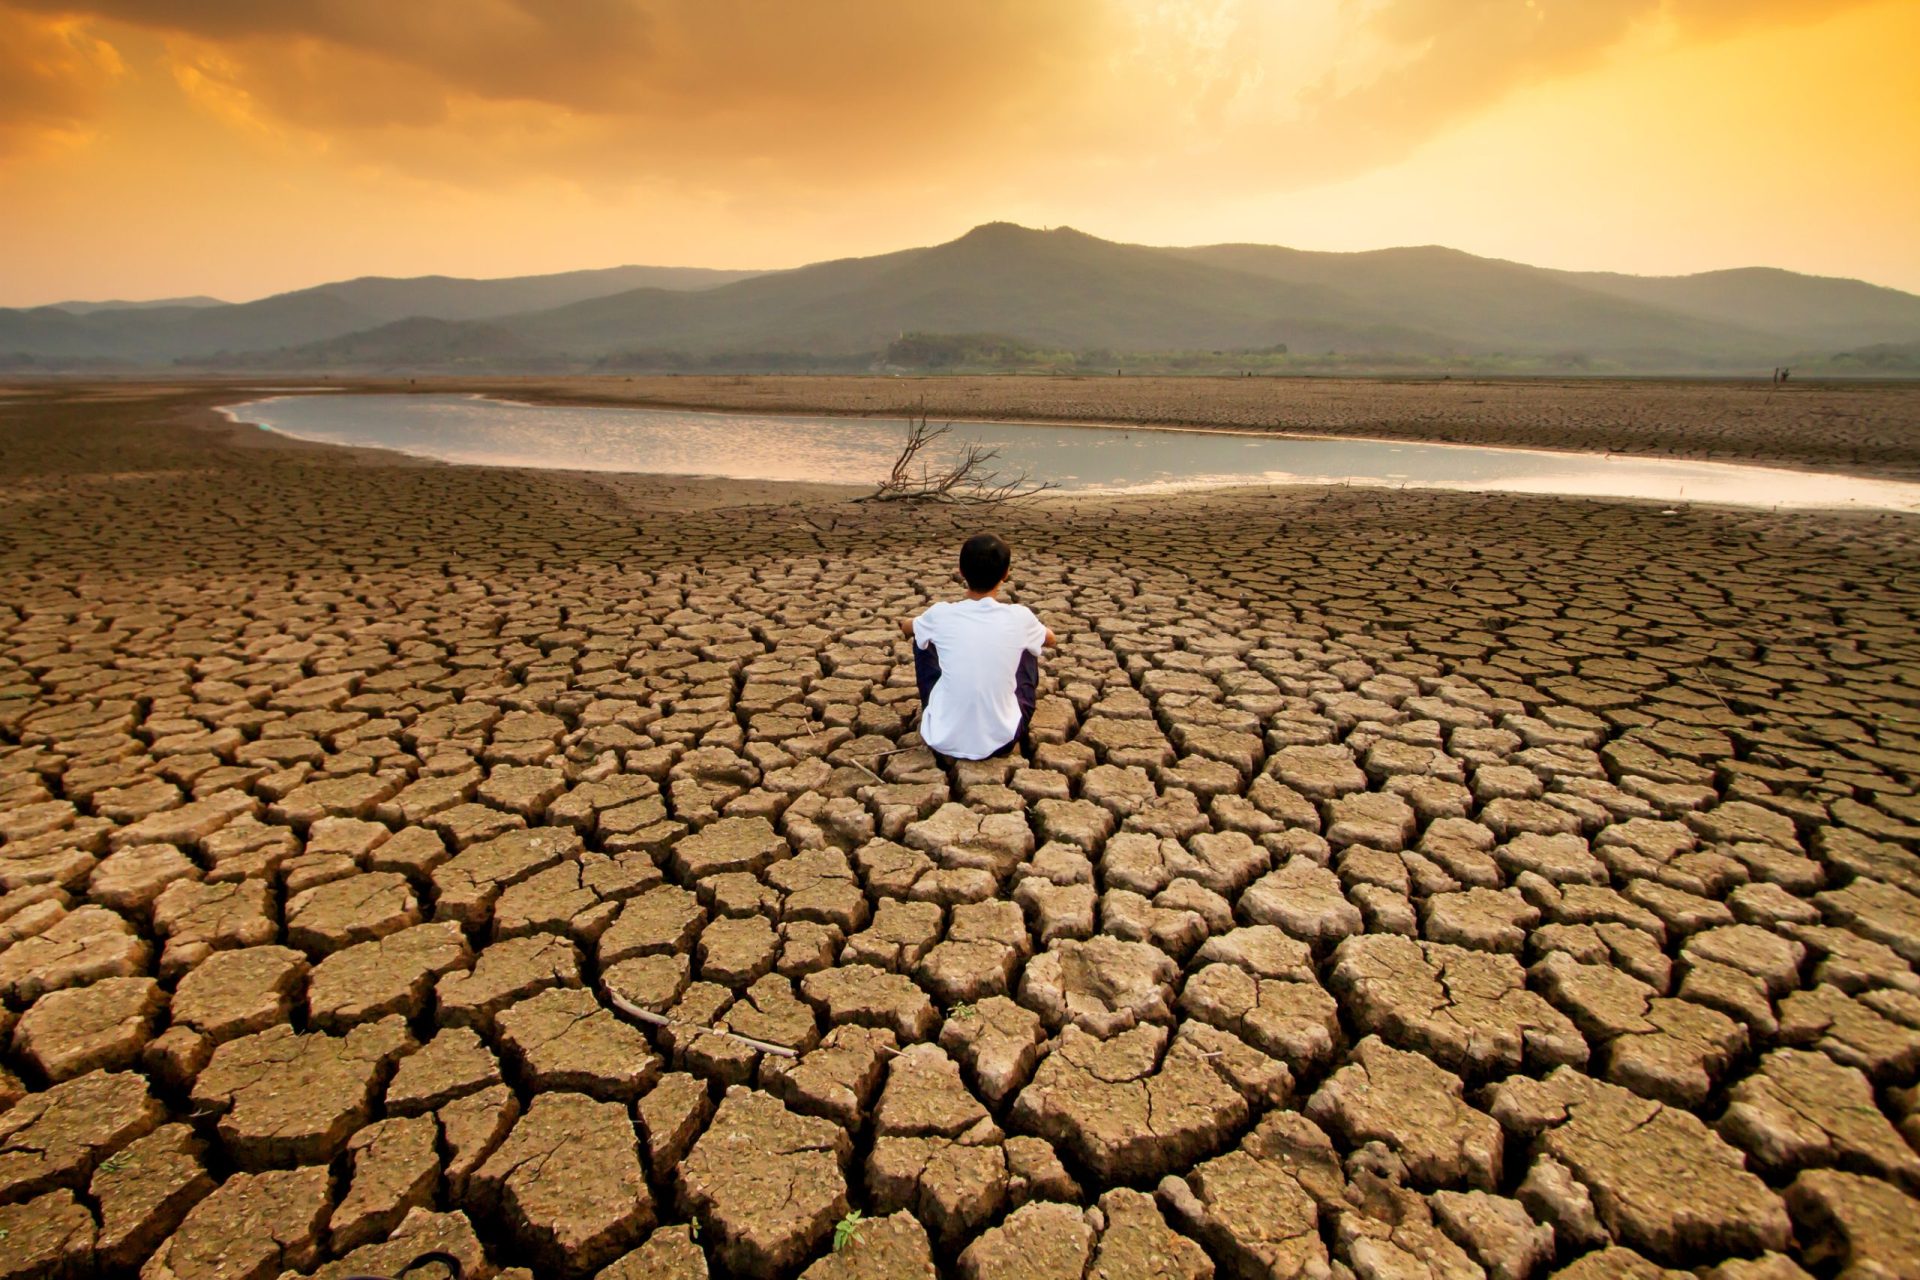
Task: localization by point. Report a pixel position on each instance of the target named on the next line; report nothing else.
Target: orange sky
(241, 147)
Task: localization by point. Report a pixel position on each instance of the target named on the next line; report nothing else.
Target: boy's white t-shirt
(972, 711)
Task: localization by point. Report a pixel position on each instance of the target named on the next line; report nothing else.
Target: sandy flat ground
(1395, 879)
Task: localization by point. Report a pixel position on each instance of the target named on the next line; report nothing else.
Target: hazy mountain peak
(1043, 289)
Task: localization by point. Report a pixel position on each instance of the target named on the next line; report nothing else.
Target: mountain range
(1045, 295)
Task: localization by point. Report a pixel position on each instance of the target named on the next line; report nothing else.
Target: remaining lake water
(479, 430)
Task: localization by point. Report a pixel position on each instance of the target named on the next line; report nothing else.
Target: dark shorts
(1026, 680)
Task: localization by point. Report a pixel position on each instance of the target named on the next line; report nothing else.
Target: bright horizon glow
(237, 150)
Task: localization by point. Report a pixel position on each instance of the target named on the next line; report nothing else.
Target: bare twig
(633, 1010)
(970, 479)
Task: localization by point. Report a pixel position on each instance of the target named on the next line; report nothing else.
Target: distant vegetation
(1881, 360)
(998, 353)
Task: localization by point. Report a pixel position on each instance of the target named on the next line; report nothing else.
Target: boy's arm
(1047, 638)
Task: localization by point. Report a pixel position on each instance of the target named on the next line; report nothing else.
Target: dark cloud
(642, 56)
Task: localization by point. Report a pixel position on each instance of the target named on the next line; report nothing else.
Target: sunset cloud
(52, 76)
(1441, 60)
(705, 91)
(714, 85)
(846, 125)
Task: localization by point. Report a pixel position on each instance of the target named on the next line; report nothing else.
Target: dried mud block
(85, 945)
(51, 1235)
(1135, 1241)
(1390, 1230)
(1305, 900)
(1133, 1106)
(1416, 1108)
(1102, 985)
(1660, 1180)
(837, 1079)
(662, 921)
(452, 1065)
(359, 908)
(392, 975)
(251, 1227)
(1855, 1225)
(1295, 1021)
(730, 844)
(998, 1041)
(59, 1137)
(766, 1184)
(1880, 912)
(1044, 1241)
(1468, 1010)
(936, 1149)
(466, 886)
(1616, 1263)
(235, 993)
(131, 879)
(564, 1039)
(881, 1248)
(1853, 1031)
(870, 997)
(1499, 1233)
(471, 1127)
(670, 1253)
(572, 1224)
(1480, 919)
(422, 1240)
(1258, 1208)
(286, 1098)
(671, 1116)
(504, 973)
(958, 838)
(188, 825)
(104, 1026)
(145, 1190)
(198, 919)
(396, 1168)
(1802, 1110)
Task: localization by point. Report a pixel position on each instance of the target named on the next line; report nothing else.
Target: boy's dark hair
(983, 561)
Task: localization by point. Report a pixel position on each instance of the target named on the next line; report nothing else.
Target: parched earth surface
(409, 867)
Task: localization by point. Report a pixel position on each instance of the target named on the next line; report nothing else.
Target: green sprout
(847, 1230)
(963, 1011)
(114, 1164)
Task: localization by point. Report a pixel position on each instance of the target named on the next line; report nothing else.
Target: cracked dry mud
(1397, 884)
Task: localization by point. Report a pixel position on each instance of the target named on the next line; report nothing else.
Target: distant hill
(161, 333)
(413, 343)
(1820, 311)
(1059, 288)
(1006, 294)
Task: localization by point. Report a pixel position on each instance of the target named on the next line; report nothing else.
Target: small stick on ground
(633, 1010)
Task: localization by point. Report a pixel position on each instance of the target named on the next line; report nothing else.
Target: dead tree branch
(968, 479)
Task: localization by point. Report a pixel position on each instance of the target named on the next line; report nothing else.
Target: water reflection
(472, 429)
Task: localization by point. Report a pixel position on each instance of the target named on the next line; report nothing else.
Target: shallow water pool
(476, 429)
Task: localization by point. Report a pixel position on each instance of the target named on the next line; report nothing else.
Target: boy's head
(983, 561)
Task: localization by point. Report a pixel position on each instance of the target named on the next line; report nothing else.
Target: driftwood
(968, 480)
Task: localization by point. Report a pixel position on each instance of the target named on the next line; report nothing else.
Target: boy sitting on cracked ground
(977, 661)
